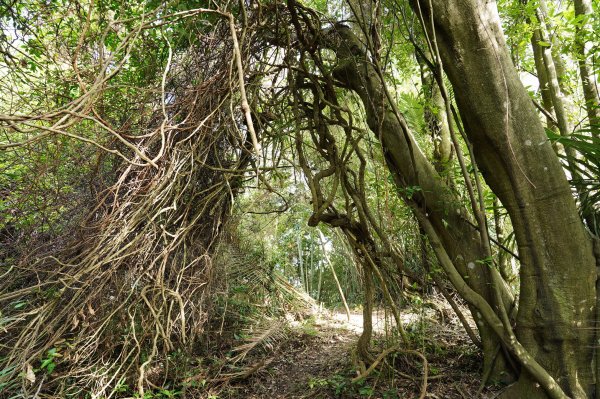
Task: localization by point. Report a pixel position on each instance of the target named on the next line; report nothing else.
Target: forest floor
(316, 361)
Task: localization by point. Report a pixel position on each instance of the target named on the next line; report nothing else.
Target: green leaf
(50, 367)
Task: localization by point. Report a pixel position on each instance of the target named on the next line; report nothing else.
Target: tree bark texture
(555, 321)
(584, 9)
(411, 168)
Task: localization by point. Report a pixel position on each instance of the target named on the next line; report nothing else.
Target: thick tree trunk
(411, 169)
(555, 321)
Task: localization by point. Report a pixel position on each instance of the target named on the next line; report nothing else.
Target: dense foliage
(176, 177)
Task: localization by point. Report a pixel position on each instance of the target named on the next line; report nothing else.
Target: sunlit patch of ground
(381, 320)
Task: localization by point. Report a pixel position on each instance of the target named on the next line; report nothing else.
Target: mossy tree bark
(555, 322)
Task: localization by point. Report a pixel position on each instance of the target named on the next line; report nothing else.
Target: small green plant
(121, 387)
(409, 191)
(489, 261)
(343, 387)
(390, 394)
(167, 393)
(161, 393)
(308, 327)
(317, 382)
(366, 391)
(195, 383)
(48, 363)
(3, 375)
(147, 395)
(339, 384)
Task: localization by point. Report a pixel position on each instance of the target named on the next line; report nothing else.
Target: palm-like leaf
(586, 164)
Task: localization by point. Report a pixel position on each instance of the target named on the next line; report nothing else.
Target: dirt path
(315, 362)
(318, 348)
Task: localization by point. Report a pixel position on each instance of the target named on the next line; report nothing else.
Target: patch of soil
(315, 361)
(302, 364)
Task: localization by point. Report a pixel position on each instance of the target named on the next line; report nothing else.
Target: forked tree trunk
(555, 322)
(412, 171)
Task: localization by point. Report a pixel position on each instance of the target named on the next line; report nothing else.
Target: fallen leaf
(29, 374)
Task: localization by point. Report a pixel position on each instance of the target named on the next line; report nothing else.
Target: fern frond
(263, 336)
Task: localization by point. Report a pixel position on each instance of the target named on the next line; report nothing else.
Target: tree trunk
(301, 262)
(411, 170)
(364, 341)
(542, 79)
(555, 320)
(436, 120)
(319, 284)
(503, 257)
(588, 79)
(335, 277)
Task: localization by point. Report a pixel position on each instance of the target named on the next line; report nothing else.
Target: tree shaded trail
(303, 364)
(316, 361)
(181, 182)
